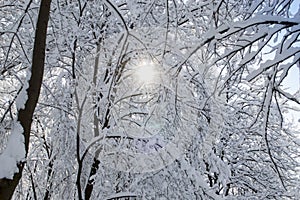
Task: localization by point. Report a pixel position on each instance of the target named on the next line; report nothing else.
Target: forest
(149, 99)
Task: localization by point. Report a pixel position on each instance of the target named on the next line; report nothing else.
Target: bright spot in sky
(147, 72)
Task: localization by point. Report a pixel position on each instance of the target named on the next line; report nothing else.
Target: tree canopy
(137, 99)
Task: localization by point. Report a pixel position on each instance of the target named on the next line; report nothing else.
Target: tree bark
(7, 186)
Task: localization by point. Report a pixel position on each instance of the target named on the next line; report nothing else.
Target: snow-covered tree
(149, 99)
(14, 53)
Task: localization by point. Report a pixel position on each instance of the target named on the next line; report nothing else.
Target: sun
(147, 72)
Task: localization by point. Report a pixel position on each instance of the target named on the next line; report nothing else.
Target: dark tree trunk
(7, 186)
(90, 185)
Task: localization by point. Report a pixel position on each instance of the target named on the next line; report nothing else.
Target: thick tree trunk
(7, 186)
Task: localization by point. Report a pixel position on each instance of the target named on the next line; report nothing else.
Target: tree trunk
(7, 186)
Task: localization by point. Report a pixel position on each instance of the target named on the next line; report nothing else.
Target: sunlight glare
(147, 72)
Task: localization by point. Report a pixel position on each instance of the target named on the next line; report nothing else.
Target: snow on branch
(293, 51)
(14, 152)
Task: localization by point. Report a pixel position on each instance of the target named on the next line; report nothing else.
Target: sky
(292, 82)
